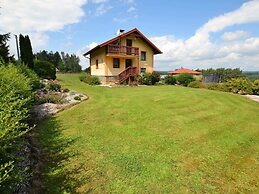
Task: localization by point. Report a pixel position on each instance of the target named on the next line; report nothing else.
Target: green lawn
(161, 139)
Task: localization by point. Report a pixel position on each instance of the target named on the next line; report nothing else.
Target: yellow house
(122, 57)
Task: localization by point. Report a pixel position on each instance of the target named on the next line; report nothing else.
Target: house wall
(105, 67)
(143, 46)
(115, 71)
(99, 54)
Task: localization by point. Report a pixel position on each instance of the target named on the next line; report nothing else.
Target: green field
(157, 139)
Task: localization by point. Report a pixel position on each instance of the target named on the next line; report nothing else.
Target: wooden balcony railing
(127, 73)
(122, 50)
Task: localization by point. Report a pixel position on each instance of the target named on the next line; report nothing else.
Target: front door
(128, 63)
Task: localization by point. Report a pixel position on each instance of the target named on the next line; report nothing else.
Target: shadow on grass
(50, 175)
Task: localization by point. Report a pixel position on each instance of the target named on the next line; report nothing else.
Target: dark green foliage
(32, 76)
(239, 85)
(184, 79)
(94, 81)
(196, 84)
(26, 51)
(91, 80)
(54, 86)
(88, 70)
(77, 98)
(70, 63)
(149, 78)
(66, 63)
(51, 57)
(170, 80)
(256, 87)
(155, 77)
(15, 101)
(223, 73)
(4, 49)
(65, 90)
(218, 86)
(45, 70)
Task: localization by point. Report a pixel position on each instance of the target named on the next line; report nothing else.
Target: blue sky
(191, 33)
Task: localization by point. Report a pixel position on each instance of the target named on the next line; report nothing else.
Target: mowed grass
(160, 139)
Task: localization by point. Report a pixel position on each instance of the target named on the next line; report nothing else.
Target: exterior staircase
(128, 73)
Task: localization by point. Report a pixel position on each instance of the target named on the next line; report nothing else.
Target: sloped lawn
(161, 139)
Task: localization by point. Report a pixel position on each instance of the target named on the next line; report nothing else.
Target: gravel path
(253, 97)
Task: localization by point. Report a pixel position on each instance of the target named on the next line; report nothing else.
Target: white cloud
(237, 35)
(199, 51)
(131, 9)
(102, 9)
(35, 17)
(84, 61)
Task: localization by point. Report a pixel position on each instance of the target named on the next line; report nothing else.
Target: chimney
(120, 32)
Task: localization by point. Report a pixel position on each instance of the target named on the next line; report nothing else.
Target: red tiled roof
(155, 49)
(185, 70)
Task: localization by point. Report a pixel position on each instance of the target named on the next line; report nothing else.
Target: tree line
(62, 61)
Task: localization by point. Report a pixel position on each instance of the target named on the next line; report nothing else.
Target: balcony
(122, 50)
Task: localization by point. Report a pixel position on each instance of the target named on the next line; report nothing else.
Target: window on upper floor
(116, 63)
(143, 56)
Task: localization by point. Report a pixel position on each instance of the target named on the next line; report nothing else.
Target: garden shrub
(50, 97)
(255, 87)
(218, 86)
(196, 84)
(149, 78)
(32, 76)
(94, 81)
(45, 69)
(184, 79)
(239, 85)
(53, 85)
(15, 102)
(65, 90)
(77, 98)
(91, 80)
(170, 80)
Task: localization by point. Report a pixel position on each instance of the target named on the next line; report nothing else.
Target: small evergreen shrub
(184, 79)
(239, 85)
(255, 87)
(65, 90)
(77, 98)
(53, 85)
(149, 78)
(170, 80)
(45, 70)
(218, 86)
(94, 81)
(196, 84)
(91, 80)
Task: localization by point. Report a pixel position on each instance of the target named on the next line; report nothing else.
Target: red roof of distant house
(185, 70)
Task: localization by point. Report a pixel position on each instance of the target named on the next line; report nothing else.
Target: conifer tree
(4, 48)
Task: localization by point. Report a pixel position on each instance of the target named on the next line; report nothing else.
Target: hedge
(15, 101)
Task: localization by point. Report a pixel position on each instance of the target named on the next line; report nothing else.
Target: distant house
(184, 71)
(122, 57)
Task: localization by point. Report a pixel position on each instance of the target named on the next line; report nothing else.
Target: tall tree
(51, 57)
(26, 51)
(4, 48)
(71, 63)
